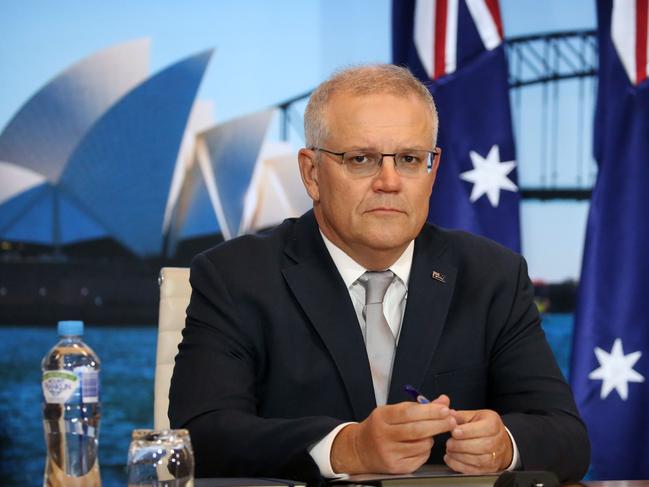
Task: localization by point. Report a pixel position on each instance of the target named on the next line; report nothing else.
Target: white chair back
(175, 292)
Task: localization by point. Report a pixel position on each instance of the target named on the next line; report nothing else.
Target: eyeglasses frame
(436, 152)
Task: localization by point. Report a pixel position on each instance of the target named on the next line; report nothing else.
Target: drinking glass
(160, 459)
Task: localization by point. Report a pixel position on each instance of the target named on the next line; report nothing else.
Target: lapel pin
(438, 276)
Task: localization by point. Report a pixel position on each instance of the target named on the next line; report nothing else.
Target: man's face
(374, 215)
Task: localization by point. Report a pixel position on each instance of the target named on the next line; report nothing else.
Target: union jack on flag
(456, 48)
(629, 26)
(435, 31)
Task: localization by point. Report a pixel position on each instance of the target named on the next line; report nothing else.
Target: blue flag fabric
(610, 365)
(456, 48)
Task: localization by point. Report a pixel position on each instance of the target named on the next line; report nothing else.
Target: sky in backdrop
(267, 52)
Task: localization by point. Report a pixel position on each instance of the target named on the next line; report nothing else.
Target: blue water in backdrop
(127, 357)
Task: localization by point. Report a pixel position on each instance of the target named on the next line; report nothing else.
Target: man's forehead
(376, 110)
(346, 96)
(345, 105)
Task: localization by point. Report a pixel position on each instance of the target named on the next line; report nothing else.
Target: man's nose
(388, 179)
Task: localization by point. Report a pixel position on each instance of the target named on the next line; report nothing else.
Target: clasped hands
(397, 439)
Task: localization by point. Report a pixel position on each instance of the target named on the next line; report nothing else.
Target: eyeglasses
(361, 163)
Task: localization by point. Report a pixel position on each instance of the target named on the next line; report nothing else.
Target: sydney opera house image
(110, 171)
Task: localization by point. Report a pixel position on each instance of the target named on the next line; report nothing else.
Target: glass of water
(160, 458)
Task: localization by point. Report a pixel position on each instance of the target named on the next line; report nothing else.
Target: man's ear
(309, 172)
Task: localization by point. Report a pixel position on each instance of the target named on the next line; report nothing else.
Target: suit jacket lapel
(322, 294)
(427, 306)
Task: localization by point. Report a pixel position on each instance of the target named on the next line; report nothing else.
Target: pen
(415, 394)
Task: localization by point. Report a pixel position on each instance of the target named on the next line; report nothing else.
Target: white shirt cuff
(516, 459)
(321, 453)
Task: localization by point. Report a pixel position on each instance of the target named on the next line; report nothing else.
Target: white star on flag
(489, 176)
(616, 370)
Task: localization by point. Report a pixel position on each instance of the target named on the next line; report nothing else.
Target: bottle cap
(70, 328)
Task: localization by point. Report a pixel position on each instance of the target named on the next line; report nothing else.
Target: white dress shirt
(394, 306)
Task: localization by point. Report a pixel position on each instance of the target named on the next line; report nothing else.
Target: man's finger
(408, 412)
(484, 461)
(462, 467)
(479, 427)
(442, 399)
(465, 416)
(471, 445)
(406, 449)
(422, 429)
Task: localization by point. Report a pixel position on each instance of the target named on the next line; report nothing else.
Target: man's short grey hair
(359, 81)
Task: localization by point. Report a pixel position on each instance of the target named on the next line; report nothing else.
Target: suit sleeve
(531, 394)
(215, 392)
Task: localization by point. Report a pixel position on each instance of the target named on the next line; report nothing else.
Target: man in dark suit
(286, 369)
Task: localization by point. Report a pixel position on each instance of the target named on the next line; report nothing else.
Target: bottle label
(59, 386)
(89, 384)
(80, 385)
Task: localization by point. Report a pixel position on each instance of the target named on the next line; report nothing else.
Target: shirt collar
(350, 270)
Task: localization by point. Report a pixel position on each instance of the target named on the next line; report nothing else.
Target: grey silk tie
(379, 339)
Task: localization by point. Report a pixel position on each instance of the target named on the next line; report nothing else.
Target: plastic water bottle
(71, 410)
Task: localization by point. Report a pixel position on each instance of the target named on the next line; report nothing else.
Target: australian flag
(610, 367)
(456, 48)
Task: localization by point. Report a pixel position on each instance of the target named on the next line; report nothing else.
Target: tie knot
(376, 285)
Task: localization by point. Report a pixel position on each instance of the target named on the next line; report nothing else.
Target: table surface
(589, 483)
(612, 483)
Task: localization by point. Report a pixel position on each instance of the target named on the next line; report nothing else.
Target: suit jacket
(272, 356)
